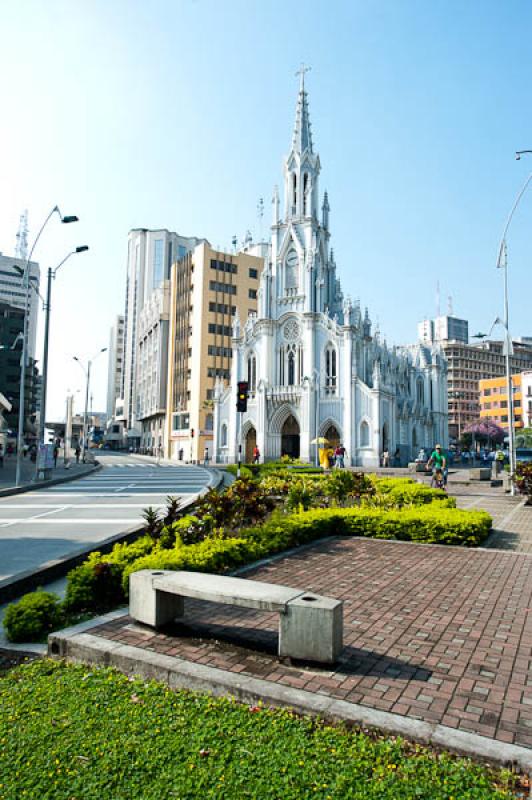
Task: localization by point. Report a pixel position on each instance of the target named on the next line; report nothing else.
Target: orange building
(493, 400)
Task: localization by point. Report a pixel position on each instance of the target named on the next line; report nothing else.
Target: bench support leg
(312, 629)
(149, 606)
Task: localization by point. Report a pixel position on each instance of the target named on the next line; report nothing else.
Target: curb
(33, 487)
(75, 644)
(22, 582)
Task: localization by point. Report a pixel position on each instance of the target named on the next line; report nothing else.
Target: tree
(486, 429)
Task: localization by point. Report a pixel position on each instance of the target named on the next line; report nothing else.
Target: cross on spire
(301, 72)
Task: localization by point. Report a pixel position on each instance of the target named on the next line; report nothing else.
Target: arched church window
(331, 376)
(281, 366)
(252, 373)
(364, 434)
(294, 192)
(420, 392)
(224, 435)
(305, 194)
(291, 368)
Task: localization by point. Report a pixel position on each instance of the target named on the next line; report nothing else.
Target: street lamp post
(502, 263)
(24, 357)
(48, 305)
(87, 372)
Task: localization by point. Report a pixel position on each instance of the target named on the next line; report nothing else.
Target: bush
(33, 617)
(399, 492)
(245, 472)
(96, 584)
(523, 480)
(431, 524)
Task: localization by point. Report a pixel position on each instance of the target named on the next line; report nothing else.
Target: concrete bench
(310, 626)
(480, 474)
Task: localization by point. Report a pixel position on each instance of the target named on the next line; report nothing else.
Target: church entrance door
(332, 436)
(251, 441)
(290, 438)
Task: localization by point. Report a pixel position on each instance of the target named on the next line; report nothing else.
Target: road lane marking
(6, 523)
(76, 521)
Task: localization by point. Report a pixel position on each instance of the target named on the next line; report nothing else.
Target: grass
(79, 733)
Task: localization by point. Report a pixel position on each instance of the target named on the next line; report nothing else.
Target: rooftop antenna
(260, 215)
(450, 306)
(21, 248)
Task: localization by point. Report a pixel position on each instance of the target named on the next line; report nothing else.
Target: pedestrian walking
(256, 455)
(386, 459)
(206, 457)
(56, 453)
(78, 453)
(1, 455)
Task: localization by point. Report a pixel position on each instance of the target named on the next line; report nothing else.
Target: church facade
(316, 368)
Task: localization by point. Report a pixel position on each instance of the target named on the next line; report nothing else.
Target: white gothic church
(314, 366)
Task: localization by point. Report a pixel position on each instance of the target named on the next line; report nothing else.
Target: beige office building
(208, 289)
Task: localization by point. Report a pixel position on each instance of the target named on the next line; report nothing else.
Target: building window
(252, 373)
(291, 368)
(217, 286)
(252, 294)
(209, 422)
(224, 435)
(330, 369)
(420, 392)
(158, 247)
(253, 273)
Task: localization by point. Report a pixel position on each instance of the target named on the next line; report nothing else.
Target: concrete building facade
(493, 400)
(150, 256)
(115, 365)
(467, 364)
(13, 293)
(152, 368)
(209, 290)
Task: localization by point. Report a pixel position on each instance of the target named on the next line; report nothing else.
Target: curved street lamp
(502, 263)
(24, 356)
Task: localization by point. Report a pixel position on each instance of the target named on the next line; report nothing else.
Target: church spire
(302, 136)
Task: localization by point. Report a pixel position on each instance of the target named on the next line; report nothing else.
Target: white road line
(68, 506)
(104, 494)
(76, 521)
(6, 523)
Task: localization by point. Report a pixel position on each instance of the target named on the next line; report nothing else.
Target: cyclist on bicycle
(438, 461)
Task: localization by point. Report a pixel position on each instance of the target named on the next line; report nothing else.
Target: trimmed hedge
(33, 617)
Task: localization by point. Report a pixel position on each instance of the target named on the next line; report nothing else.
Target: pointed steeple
(302, 137)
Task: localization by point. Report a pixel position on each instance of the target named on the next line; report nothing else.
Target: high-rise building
(442, 329)
(209, 291)
(11, 333)
(13, 293)
(150, 256)
(115, 365)
(467, 364)
(152, 368)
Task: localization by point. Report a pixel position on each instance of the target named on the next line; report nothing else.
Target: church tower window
(331, 377)
(291, 368)
(305, 195)
(252, 373)
(294, 193)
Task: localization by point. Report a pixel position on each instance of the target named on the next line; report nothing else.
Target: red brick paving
(436, 633)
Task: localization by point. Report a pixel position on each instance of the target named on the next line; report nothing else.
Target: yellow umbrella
(320, 440)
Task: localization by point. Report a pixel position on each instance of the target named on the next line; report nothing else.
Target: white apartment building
(13, 293)
(152, 368)
(150, 256)
(115, 365)
(443, 329)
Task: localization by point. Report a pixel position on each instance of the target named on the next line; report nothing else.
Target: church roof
(302, 136)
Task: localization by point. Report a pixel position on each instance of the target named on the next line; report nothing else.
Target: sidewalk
(8, 472)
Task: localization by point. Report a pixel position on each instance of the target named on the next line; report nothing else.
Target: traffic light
(192, 433)
(242, 396)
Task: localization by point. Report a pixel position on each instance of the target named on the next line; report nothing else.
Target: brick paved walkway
(437, 633)
(512, 520)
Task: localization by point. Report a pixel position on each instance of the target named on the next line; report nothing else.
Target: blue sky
(178, 114)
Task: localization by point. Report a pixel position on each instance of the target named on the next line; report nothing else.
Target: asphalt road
(46, 524)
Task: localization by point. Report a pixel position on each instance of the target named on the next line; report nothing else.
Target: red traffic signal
(242, 396)
(192, 433)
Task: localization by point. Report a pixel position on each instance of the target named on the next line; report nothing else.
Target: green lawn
(76, 733)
